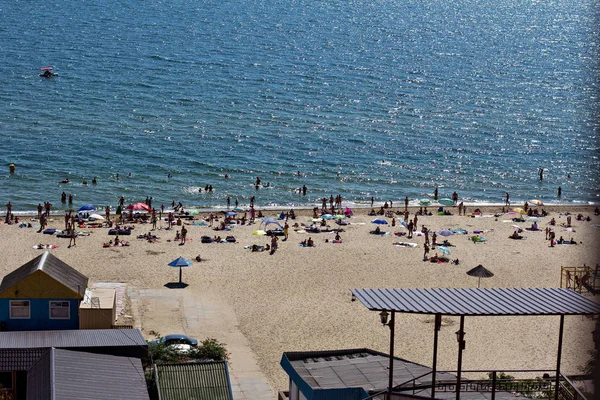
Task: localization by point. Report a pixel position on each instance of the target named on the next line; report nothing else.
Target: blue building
(43, 294)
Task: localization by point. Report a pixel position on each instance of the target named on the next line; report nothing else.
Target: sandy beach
(299, 298)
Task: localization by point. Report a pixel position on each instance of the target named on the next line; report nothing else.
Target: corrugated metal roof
(72, 338)
(199, 381)
(327, 371)
(65, 374)
(479, 301)
(53, 267)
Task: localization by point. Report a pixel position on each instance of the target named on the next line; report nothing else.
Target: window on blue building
(59, 310)
(20, 309)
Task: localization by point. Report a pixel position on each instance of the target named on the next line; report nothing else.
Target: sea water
(382, 99)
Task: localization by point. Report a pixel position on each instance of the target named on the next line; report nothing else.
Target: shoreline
(485, 207)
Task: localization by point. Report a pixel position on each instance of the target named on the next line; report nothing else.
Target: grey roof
(480, 302)
(19, 359)
(200, 381)
(72, 338)
(65, 374)
(53, 267)
(366, 368)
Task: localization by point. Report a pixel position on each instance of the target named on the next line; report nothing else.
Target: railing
(281, 395)
(532, 387)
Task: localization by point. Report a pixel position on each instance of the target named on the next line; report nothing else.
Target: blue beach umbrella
(379, 221)
(230, 214)
(87, 207)
(446, 232)
(180, 262)
(425, 202)
(446, 202)
(238, 209)
(327, 216)
(444, 250)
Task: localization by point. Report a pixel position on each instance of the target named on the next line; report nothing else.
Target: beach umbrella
(379, 221)
(445, 232)
(426, 202)
(194, 212)
(339, 216)
(138, 207)
(238, 209)
(96, 217)
(480, 272)
(517, 227)
(87, 207)
(230, 214)
(446, 202)
(180, 262)
(403, 223)
(519, 210)
(327, 216)
(536, 202)
(259, 232)
(533, 219)
(444, 250)
(315, 220)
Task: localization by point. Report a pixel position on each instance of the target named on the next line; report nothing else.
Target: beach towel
(460, 231)
(45, 246)
(379, 233)
(49, 231)
(405, 244)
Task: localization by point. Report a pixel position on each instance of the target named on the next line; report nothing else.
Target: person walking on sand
(406, 203)
(425, 251)
(107, 213)
(183, 235)
(273, 244)
(455, 198)
(72, 237)
(286, 231)
(507, 201)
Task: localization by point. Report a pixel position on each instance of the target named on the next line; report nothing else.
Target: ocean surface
(382, 99)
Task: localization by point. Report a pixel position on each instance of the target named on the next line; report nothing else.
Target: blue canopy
(379, 221)
(87, 207)
(180, 262)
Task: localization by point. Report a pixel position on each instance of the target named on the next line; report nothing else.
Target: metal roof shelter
(474, 302)
(50, 265)
(66, 374)
(125, 342)
(355, 374)
(203, 380)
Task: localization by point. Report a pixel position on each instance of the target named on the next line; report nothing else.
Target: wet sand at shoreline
(299, 298)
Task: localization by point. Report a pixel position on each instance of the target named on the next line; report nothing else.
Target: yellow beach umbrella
(537, 202)
(519, 210)
(259, 232)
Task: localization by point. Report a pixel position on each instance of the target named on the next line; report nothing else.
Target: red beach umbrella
(138, 207)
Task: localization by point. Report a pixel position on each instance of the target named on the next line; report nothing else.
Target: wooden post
(461, 341)
(392, 326)
(558, 357)
(436, 327)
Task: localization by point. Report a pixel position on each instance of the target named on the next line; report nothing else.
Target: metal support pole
(494, 385)
(392, 326)
(558, 357)
(461, 341)
(436, 328)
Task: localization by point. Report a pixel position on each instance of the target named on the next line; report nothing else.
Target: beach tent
(269, 221)
(87, 207)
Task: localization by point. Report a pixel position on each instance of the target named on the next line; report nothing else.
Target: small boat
(47, 72)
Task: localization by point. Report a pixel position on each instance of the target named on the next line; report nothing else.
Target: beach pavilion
(470, 303)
